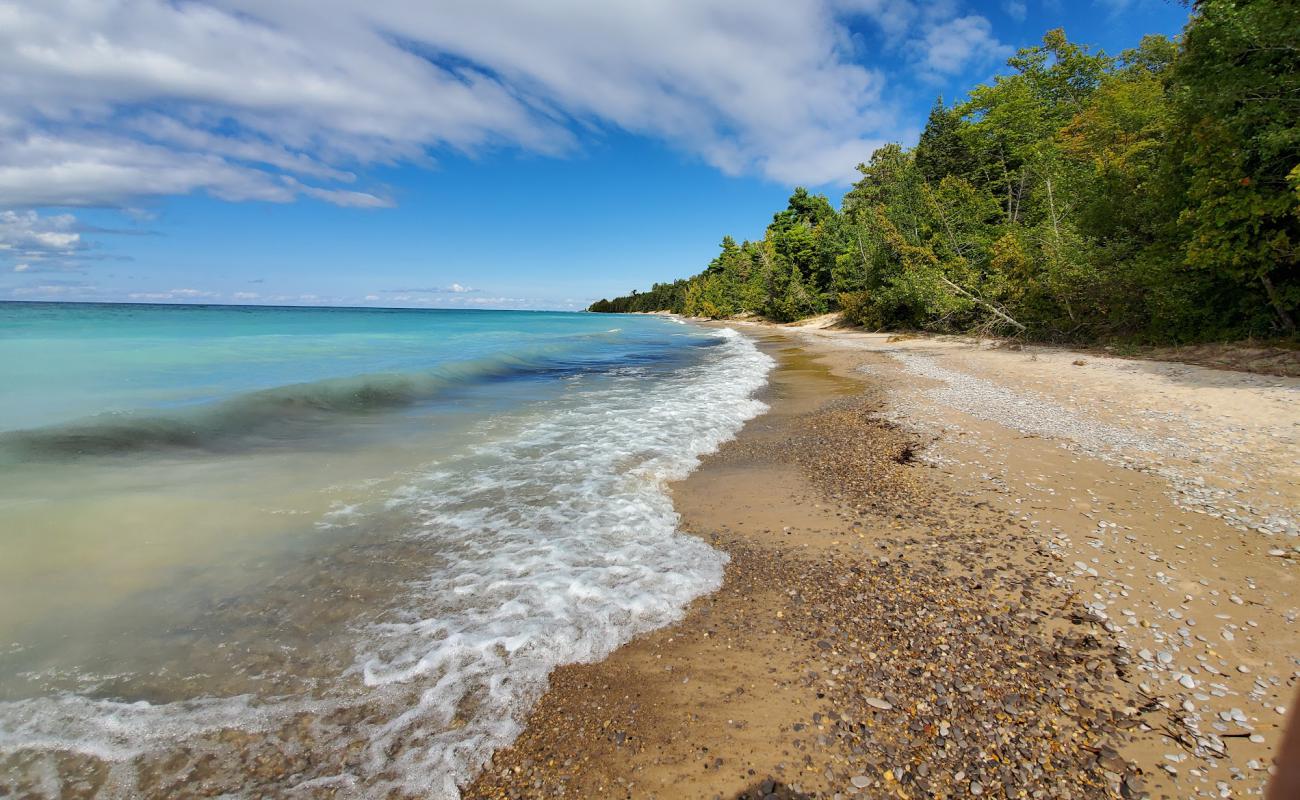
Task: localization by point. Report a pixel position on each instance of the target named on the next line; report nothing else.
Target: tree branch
(997, 312)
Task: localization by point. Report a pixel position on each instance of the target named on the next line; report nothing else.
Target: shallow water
(358, 540)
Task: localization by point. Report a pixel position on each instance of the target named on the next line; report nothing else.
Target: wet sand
(923, 601)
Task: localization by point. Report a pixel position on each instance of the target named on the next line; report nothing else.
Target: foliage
(1153, 196)
(1235, 92)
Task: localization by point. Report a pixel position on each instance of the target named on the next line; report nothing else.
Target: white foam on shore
(553, 542)
(115, 731)
(565, 547)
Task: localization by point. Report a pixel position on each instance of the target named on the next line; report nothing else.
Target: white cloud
(1117, 7)
(439, 299)
(1016, 9)
(76, 167)
(39, 242)
(961, 43)
(103, 103)
(893, 16)
(174, 294)
(30, 232)
(245, 296)
(55, 289)
(454, 288)
(346, 198)
(35, 242)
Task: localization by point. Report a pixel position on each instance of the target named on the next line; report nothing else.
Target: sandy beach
(650, 400)
(959, 569)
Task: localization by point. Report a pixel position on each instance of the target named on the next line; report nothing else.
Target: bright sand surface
(961, 569)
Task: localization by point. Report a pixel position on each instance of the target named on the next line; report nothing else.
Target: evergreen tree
(942, 151)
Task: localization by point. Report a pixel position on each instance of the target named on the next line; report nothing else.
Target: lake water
(298, 550)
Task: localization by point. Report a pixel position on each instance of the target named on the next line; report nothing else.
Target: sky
(458, 153)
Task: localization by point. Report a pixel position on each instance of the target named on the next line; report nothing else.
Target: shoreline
(901, 615)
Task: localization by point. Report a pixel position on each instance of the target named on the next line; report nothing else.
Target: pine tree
(942, 151)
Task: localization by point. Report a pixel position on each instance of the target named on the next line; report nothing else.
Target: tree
(942, 150)
(1080, 197)
(795, 301)
(1236, 139)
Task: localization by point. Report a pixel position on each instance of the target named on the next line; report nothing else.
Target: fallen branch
(999, 313)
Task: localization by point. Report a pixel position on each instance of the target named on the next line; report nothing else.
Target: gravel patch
(986, 400)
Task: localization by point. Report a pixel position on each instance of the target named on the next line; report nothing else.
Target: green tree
(1236, 139)
(795, 300)
(943, 150)
(1013, 120)
(1154, 196)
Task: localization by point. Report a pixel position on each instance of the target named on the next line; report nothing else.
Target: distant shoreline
(905, 607)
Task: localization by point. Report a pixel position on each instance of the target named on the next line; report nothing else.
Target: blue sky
(498, 154)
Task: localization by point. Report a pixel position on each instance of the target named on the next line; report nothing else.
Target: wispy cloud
(33, 242)
(174, 294)
(106, 104)
(55, 290)
(447, 300)
(950, 47)
(27, 232)
(454, 288)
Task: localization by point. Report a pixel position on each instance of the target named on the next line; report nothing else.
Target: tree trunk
(1056, 244)
(1020, 193)
(1006, 176)
(1287, 322)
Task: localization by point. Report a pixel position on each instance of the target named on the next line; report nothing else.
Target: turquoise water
(215, 371)
(391, 523)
